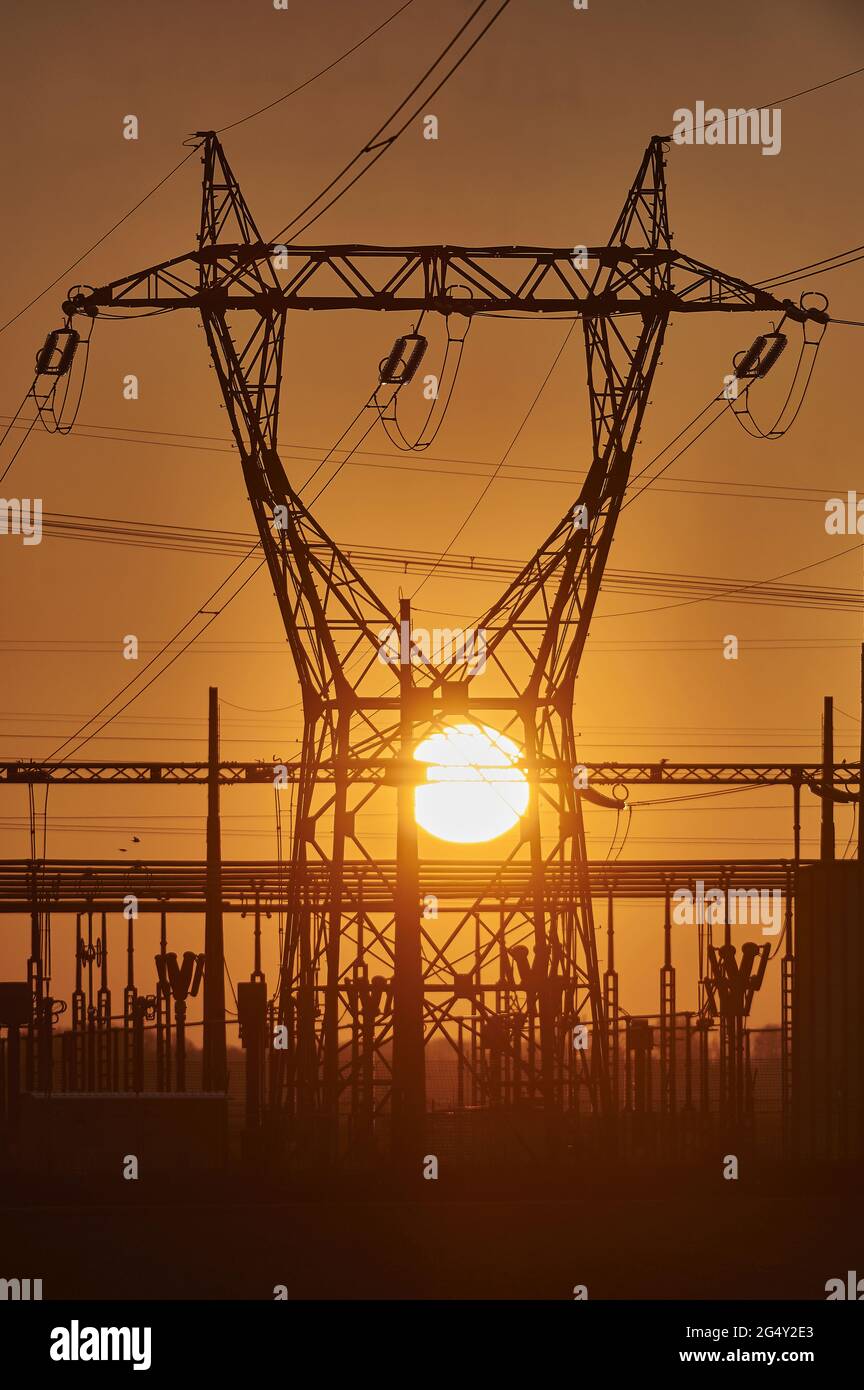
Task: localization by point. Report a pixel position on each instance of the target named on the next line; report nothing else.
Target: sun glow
(474, 790)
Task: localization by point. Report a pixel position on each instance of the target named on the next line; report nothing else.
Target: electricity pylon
(356, 1040)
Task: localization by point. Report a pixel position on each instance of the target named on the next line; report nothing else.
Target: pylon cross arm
(582, 281)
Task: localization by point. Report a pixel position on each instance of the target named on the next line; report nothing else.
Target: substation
(452, 1007)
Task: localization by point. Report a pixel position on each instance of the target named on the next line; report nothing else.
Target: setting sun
(475, 791)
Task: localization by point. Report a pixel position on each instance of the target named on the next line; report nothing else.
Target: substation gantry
(361, 993)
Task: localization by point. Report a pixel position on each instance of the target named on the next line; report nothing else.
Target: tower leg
(409, 1067)
(215, 1059)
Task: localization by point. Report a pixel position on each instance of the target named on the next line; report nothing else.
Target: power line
(195, 721)
(723, 406)
(171, 172)
(706, 487)
(200, 612)
(23, 440)
(526, 417)
(321, 72)
(805, 91)
(98, 242)
(781, 101)
(73, 738)
(759, 583)
(666, 449)
(489, 569)
(778, 284)
(375, 146)
(812, 265)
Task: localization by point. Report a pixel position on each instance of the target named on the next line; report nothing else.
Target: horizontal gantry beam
(73, 886)
(599, 774)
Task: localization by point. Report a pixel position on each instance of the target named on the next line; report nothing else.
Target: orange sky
(540, 134)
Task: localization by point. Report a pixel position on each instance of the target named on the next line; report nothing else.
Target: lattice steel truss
(362, 992)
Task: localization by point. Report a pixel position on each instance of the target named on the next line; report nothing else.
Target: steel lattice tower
(361, 994)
